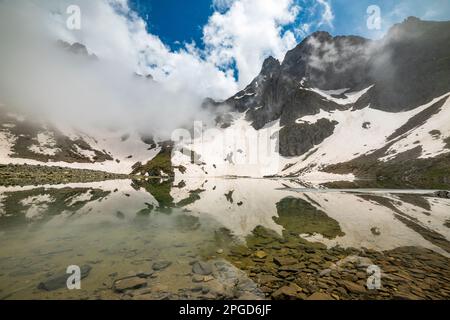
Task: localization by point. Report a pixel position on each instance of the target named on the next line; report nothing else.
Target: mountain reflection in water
(221, 238)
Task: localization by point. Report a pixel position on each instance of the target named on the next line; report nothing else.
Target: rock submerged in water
(284, 261)
(161, 265)
(130, 283)
(202, 268)
(375, 231)
(260, 254)
(60, 280)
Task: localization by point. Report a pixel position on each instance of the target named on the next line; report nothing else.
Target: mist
(43, 80)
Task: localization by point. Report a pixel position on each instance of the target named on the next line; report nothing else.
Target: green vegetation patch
(300, 217)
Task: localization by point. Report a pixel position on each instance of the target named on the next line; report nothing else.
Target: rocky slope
(335, 104)
(33, 140)
(334, 108)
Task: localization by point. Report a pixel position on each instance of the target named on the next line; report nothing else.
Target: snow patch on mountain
(360, 132)
(46, 144)
(239, 150)
(85, 153)
(231, 151)
(124, 153)
(57, 143)
(6, 143)
(245, 95)
(340, 96)
(429, 136)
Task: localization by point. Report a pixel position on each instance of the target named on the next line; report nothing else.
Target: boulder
(320, 296)
(131, 283)
(290, 292)
(161, 265)
(260, 254)
(202, 268)
(353, 287)
(284, 261)
(60, 280)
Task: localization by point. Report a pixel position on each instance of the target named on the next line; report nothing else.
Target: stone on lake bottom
(60, 280)
(132, 283)
(320, 296)
(284, 261)
(202, 268)
(161, 265)
(260, 254)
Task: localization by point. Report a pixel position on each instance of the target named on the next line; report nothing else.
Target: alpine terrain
(335, 108)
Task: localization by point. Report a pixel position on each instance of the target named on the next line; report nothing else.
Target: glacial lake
(223, 239)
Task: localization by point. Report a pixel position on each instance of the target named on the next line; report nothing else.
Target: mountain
(28, 139)
(335, 108)
(349, 105)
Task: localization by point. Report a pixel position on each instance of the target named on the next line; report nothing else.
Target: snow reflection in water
(121, 228)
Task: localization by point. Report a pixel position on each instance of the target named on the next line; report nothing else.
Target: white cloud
(303, 30)
(242, 33)
(327, 13)
(40, 78)
(248, 32)
(114, 32)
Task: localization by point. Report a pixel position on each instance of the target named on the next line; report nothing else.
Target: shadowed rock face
(407, 68)
(328, 63)
(411, 65)
(297, 139)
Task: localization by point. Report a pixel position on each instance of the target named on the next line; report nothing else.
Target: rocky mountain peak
(321, 36)
(412, 20)
(270, 66)
(406, 69)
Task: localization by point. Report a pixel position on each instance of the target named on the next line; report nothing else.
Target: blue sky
(175, 21)
(216, 47)
(351, 19)
(156, 37)
(179, 21)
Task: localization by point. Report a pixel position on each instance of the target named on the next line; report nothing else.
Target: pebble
(284, 261)
(320, 296)
(161, 265)
(202, 268)
(260, 254)
(132, 283)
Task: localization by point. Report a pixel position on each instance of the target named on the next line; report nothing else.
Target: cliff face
(334, 104)
(406, 69)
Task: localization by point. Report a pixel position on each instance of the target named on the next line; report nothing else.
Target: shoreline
(21, 175)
